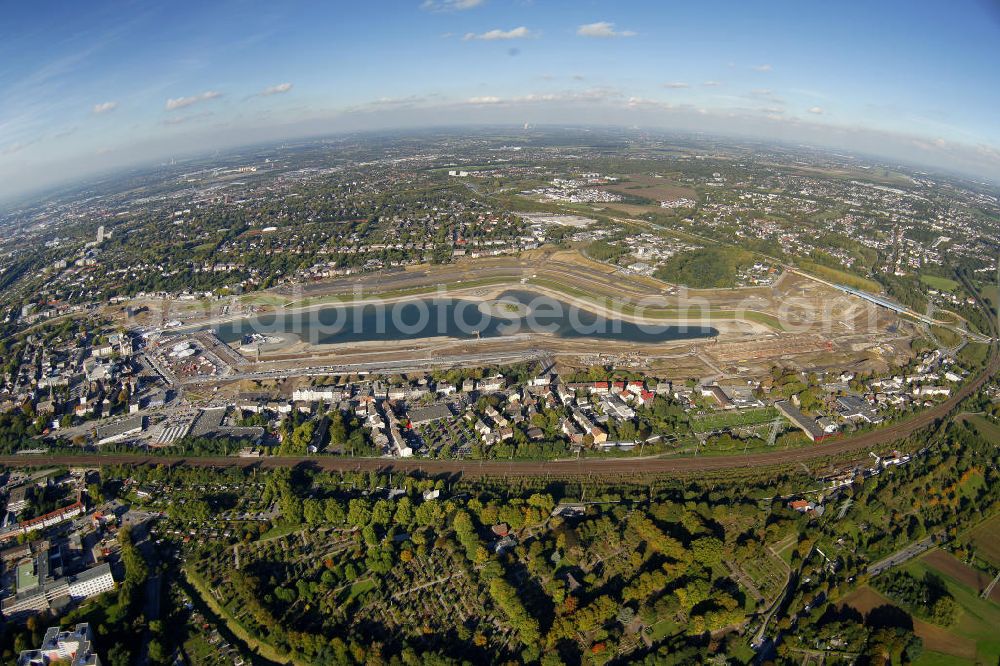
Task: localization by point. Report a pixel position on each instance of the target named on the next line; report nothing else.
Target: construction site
(797, 322)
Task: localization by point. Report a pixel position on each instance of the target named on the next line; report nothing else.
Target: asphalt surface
(901, 556)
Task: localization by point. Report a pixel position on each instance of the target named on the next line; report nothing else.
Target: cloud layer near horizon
(590, 107)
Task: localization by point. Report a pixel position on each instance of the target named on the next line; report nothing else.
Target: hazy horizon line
(24, 197)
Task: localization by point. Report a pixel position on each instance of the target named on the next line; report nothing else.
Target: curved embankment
(635, 310)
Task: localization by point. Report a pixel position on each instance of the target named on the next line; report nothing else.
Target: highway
(901, 556)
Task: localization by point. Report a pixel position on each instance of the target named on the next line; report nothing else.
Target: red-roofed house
(800, 505)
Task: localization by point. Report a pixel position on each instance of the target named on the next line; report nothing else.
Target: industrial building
(124, 429)
(803, 422)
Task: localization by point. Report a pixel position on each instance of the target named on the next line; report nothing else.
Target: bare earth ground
(818, 326)
(947, 564)
(651, 187)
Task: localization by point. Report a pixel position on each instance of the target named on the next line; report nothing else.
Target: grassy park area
(939, 283)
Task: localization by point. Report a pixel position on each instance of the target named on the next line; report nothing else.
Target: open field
(947, 564)
(978, 618)
(974, 353)
(936, 639)
(840, 277)
(651, 187)
(632, 210)
(864, 599)
(939, 283)
(985, 537)
(874, 175)
(984, 426)
(730, 419)
(946, 336)
(992, 292)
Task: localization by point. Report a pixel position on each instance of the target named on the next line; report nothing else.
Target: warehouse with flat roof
(116, 432)
(803, 422)
(423, 415)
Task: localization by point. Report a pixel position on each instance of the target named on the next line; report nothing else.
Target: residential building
(72, 648)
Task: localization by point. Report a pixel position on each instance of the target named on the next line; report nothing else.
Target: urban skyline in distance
(111, 84)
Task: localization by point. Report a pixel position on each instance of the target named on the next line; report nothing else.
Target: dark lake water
(514, 312)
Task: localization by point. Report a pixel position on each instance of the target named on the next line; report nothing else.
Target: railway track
(582, 467)
(860, 444)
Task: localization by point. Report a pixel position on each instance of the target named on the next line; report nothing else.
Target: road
(989, 588)
(901, 555)
(424, 363)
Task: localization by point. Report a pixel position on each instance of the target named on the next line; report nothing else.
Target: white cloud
(765, 94)
(590, 95)
(275, 90)
(104, 107)
(15, 147)
(602, 29)
(520, 32)
(933, 144)
(763, 68)
(181, 102)
(818, 110)
(400, 101)
(180, 120)
(676, 85)
(449, 5)
(711, 84)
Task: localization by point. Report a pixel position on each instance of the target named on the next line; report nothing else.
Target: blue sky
(92, 85)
